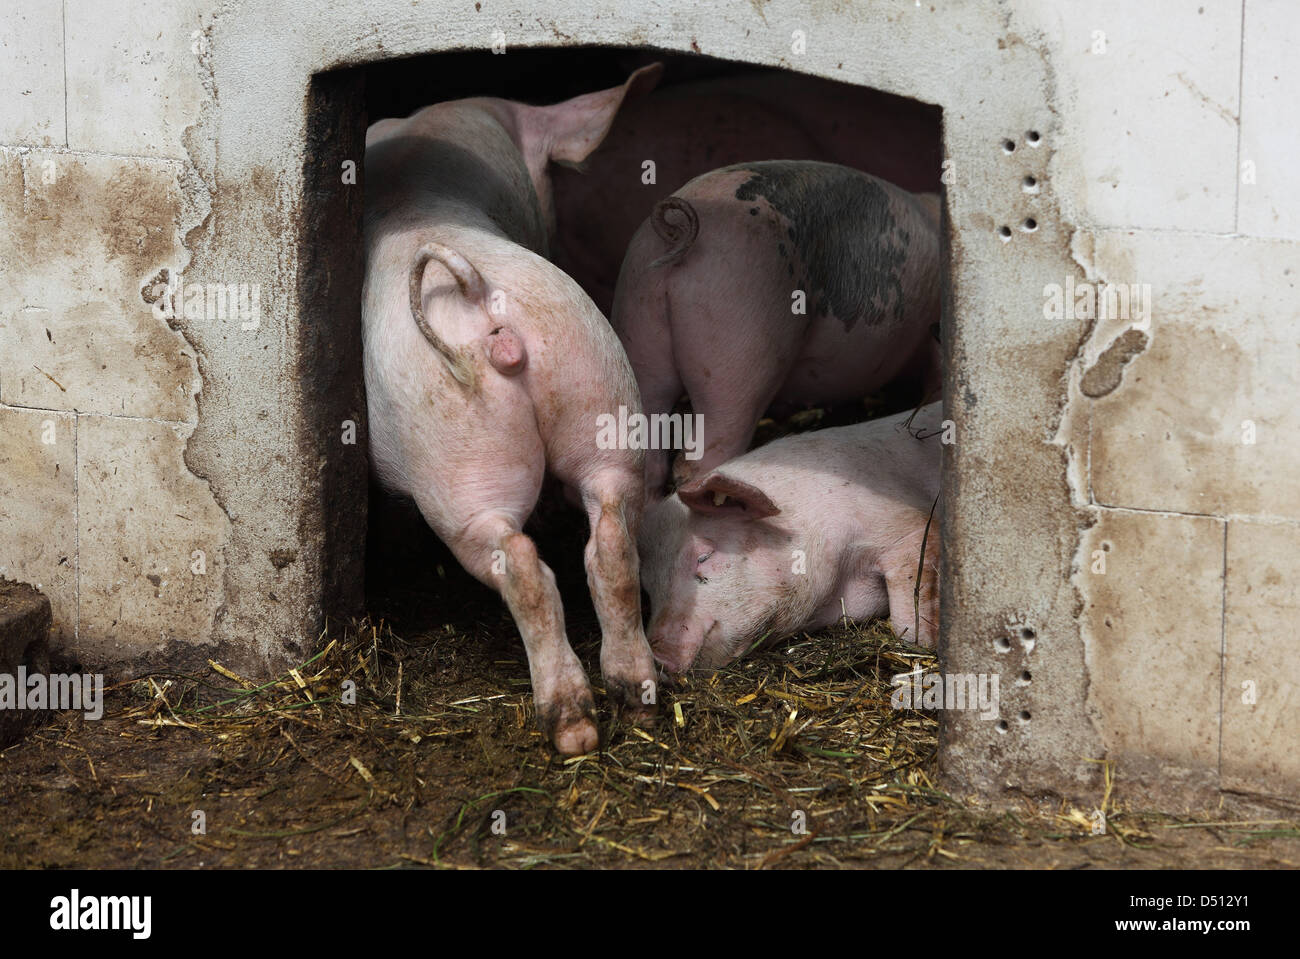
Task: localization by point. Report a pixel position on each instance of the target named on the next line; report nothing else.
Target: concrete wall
(1177, 170)
(1148, 143)
(169, 482)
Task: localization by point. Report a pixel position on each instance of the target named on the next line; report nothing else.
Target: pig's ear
(569, 132)
(721, 495)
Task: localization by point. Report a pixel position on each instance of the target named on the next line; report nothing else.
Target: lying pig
(486, 367)
(688, 129)
(794, 536)
(778, 284)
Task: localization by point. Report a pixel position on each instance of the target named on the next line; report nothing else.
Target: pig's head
(716, 560)
(565, 133)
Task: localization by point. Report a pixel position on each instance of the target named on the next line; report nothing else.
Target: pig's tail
(459, 364)
(679, 235)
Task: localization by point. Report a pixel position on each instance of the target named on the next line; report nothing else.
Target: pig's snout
(676, 647)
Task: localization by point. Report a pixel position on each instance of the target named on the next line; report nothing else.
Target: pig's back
(419, 170)
(864, 253)
(858, 246)
(691, 128)
(851, 467)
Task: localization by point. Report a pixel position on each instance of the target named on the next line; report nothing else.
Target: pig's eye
(703, 557)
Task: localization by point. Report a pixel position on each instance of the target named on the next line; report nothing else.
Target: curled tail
(504, 347)
(458, 361)
(680, 235)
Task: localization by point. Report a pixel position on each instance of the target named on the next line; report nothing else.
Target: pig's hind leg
(729, 410)
(649, 347)
(734, 350)
(660, 389)
(612, 499)
(494, 549)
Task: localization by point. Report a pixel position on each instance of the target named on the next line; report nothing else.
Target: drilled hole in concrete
(1008, 146)
(1030, 225)
(1029, 184)
(1025, 677)
(1024, 715)
(1028, 639)
(1002, 644)
(1032, 138)
(1002, 726)
(1005, 233)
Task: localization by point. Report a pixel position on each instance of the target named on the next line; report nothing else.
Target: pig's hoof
(637, 702)
(642, 716)
(571, 729)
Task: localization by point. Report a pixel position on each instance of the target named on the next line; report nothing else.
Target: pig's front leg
(493, 548)
(613, 501)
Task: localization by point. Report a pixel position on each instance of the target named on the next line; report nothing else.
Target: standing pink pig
(486, 367)
(777, 285)
(794, 536)
(688, 129)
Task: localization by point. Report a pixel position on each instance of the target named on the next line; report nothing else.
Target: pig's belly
(838, 365)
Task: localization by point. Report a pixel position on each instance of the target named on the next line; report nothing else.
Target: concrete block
(1261, 689)
(135, 75)
(38, 508)
(1270, 137)
(1149, 110)
(1203, 418)
(31, 74)
(1153, 626)
(151, 539)
(78, 334)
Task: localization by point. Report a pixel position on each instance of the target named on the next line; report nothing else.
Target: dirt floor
(409, 741)
(792, 758)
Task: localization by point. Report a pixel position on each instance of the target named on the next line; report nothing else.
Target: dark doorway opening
(408, 572)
